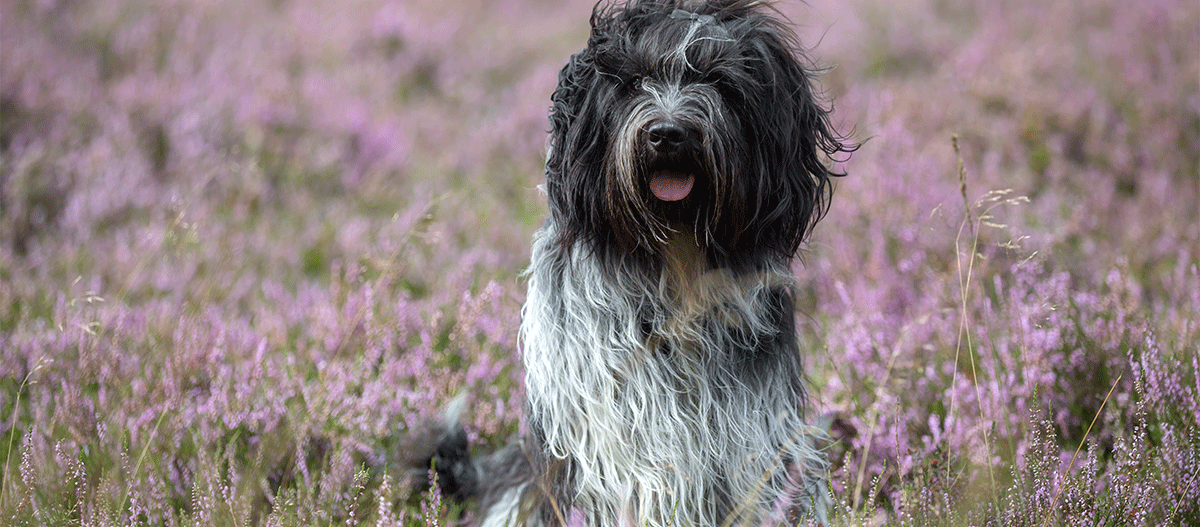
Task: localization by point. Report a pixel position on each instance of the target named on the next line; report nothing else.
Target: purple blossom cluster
(247, 248)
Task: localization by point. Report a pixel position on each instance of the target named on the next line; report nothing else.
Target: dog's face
(684, 116)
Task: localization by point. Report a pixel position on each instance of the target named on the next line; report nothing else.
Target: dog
(687, 164)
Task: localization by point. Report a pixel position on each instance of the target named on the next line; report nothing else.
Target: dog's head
(689, 116)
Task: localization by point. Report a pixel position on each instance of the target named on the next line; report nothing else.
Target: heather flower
(257, 243)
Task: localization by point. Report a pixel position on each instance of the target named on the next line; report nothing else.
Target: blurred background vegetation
(247, 247)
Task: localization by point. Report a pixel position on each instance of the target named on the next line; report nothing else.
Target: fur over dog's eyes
(628, 83)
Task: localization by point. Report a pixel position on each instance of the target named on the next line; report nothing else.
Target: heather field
(246, 247)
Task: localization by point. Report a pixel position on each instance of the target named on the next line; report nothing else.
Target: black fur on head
(689, 116)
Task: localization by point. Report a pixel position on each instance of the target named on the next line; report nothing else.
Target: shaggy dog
(663, 377)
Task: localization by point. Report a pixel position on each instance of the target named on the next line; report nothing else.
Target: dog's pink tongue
(671, 186)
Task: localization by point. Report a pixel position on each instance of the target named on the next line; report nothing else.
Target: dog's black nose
(666, 136)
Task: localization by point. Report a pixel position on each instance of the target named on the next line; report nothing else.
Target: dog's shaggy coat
(663, 381)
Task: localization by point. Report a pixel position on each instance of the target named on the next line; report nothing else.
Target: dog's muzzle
(672, 145)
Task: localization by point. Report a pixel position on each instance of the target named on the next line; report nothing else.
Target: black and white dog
(663, 376)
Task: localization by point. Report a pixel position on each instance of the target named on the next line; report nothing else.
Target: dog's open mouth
(669, 185)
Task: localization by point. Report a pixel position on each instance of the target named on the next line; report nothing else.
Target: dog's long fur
(663, 378)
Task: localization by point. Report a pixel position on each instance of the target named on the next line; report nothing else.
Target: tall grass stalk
(964, 282)
(137, 467)
(12, 433)
(1086, 434)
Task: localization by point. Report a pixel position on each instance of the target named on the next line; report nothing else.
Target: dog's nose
(666, 136)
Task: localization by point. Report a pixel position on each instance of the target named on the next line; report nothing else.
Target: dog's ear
(567, 104)
(574, 164)
(568, 186)
(792, 140)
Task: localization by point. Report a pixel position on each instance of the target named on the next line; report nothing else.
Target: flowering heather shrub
(245, 248)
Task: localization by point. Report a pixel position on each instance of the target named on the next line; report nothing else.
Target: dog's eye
(630, 84)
